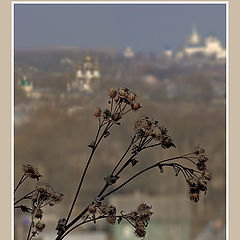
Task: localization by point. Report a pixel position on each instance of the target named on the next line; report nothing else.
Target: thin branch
(127, 111)
(189, 159)
(25, 197)
(31, 224)
(26, 208)
(22, 179)
(139, 173)
(153, 145)
(131, 143)
(96, 143)
(126, 163)
(111, 105)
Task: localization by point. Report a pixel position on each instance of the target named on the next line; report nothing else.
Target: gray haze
(143, 27)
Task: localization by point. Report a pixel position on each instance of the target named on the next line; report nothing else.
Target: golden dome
(87, 59)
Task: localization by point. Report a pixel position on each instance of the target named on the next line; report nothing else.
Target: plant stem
(21, 206)
(96, 143)
(31, 224)
(132, 141)
(22, 179)
(24, 197)
(139, 173)
(29, 231)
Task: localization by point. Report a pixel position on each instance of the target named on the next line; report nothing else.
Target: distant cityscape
(196, 52)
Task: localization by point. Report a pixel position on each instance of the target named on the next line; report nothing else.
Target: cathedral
(87, 77)
(26, 84)
(194, 45)
(128, 53)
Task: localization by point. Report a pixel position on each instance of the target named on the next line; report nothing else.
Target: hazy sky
(143, 27)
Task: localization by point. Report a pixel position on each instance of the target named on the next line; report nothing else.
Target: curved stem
(24, 197)
(141, 172)
(26, 208)
(189, 159)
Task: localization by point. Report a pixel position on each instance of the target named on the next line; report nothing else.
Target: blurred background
(173, 56)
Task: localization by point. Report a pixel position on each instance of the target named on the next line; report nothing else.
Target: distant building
(128, 53)
(150, 79)
(86, 78)
(168, 52)
(194, 38)
(26, 84)
(194, 46)
(66, 61)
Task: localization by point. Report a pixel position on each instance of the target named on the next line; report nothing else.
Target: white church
(87, 77)
(210, 46)
(128, 53)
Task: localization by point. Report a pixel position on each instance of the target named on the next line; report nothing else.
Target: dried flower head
(194, 197)
(40, 226)
(135, 106)
(122, 92)
(112, 92)
(57, 197)
(131, 96)
(97, 112)
(140, 233)
(140, 225)
(147, 127)
(143, 207)
(44, 190)
(199, 150)
(133, 216)
(202, 184)
(198, 178)
(31, 172)
(103, 209)
(207, 175)
(39, 213)
(112, 210)
(111, 219)
(92, 208)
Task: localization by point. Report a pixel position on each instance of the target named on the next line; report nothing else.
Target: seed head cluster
(43, 195)
(121, 101)
(148, 128)
(138, 219)
(198, 183)
(31, 172)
